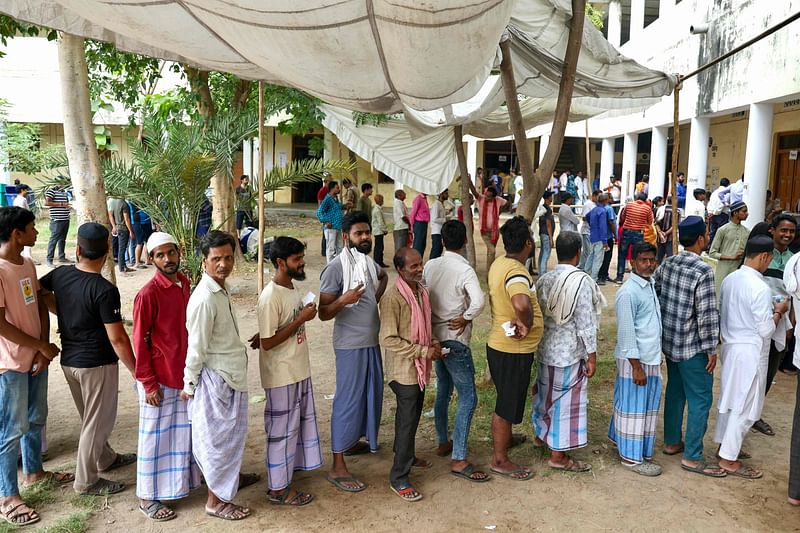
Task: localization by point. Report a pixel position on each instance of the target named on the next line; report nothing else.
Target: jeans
(716, 222)
(586, 249)
(23, 412)
(58, 235)
(377, 253)
(688, 382)
(455, 370)
(420, 236)
(409, 409)
(544, 252)
(436, 245)
(123, 236)
(629, 238)
(333, 243)
(664, 251)
(595, 259)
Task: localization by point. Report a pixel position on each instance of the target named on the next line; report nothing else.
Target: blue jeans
(420, 237)
(544, 252)
(629, 238)
(23, 412)
(455, 370)
(436, 245)
(688, 382)
(586, 250)
(595, 259)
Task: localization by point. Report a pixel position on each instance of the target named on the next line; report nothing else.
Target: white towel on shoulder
(356, 269)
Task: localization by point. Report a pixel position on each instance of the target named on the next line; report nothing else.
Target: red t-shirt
(321, 194)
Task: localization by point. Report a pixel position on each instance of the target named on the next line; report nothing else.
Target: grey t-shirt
(357, 326)
(118, 206)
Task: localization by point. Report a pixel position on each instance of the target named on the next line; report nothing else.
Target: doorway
(787, 170)
(304, 192)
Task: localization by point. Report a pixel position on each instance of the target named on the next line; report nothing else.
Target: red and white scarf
(485, 219)
(420, 325)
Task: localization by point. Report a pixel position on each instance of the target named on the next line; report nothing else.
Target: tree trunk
(198, 82)
(466, 205)
(84, 161)
(223, 215)
(534, 186)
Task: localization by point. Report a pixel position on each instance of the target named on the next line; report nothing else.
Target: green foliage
(595, 16)
(21, 149)
(40, 493)
(11, 27)
(361, 118)
(74, 523)
(304, 110)
(305, 170)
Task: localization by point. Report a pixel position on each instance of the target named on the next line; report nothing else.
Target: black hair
(724, 182)
(643, 247)
(516, 234)
(491, 190)
(640, 196)
(356, 217)
(332, 184)
(657, 199)
(783, 217)
(365, 187)
(566, 196)
(284, 247)
(568, 245)
(346, 182)
(12, 218)
(454, 234)
(688, 240)
(215, 239)
(244, 176)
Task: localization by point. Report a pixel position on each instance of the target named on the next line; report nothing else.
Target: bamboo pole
(261, 222)
(676, 147)
(466, 205)
(588, 155)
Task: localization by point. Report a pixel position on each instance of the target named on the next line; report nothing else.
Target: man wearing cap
(690, 334)
(93, 341)
(728, 244)
(215, 378)
(166, 469)
(748, 319)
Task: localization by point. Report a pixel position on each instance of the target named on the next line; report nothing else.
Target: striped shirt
(58, 196)
(689, 316)
(637, 216)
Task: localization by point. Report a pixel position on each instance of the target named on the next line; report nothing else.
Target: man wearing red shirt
(166, 469)
(635, 217)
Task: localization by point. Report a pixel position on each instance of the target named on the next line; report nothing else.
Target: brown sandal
(229, 511)
(20, 515)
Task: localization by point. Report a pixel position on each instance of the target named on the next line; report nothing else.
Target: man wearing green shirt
(728, 245)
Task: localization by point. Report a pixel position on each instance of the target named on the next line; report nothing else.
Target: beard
(297, 275)
(364, 247)
(169, 269)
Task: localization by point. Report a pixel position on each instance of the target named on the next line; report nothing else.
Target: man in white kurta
(747, 320)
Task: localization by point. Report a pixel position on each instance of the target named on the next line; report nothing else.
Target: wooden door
(788, 179)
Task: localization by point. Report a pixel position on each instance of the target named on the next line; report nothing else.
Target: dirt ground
(608, 499)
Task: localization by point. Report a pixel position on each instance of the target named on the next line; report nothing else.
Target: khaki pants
(490, 249)
(94, 391)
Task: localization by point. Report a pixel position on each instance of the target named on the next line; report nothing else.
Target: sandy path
(609, 499)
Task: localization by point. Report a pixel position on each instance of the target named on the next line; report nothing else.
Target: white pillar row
(629, 154)
(637, 18)
(544, 140)
(658, 162)
(697, 168)
(756, 161)
(615, 23)
(472, 157)
(606, 162)
(327, 154)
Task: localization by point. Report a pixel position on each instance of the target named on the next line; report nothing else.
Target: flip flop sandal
(746, 472)
(153, 508)
(422, 464)
(515, 474)
(572, 466)
(245, 480)
(517, 439)
(104, 487)
(62, 478)
(763, 427)
(339, 483)
(677, 451)
(742, 455)
(12, 515)
(298, 500)
(122, 459)
(468, 472)
(701, 469)
(360, 448)
(407, 493)
(643, 469)
(226, 511)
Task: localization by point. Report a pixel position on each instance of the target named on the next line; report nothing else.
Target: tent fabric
(374, 55)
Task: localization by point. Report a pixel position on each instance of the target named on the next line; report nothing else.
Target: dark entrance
(304, 192)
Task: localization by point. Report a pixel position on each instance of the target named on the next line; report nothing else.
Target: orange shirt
(637, 216)
(19, 290)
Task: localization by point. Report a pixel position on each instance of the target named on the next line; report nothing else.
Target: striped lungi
(165, 467)
(290, 421)
(219, 426)
(560, 399)
(633, 423)
(358, 401)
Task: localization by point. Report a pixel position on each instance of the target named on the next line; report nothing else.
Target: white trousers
(333, 243)
(730, 432)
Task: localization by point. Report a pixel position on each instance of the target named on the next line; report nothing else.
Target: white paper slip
(309, 298)
(509, 328)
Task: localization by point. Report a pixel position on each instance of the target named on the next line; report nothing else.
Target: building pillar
(5, 174)
(544, 141)
(756, 161)
(637, 18)
(629, 155)
(606, 162)
(615, 23)
(472, 158)
(698, 164)
(658, 163)
(327, 154)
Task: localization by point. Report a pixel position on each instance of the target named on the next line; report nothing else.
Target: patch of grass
(75, 523)
(40, 493)
(84, 502)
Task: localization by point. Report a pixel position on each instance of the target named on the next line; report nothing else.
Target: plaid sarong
(290, 421)
(219, 426)
(357, 404)
(633, 423)
(165, 467)
(560, 398)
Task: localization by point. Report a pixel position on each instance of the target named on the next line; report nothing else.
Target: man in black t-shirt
(93, 340)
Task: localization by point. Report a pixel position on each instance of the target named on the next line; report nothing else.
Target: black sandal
(122, 459)
(298, 500)
(152, 509)
(763, 427)
(469, 473)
